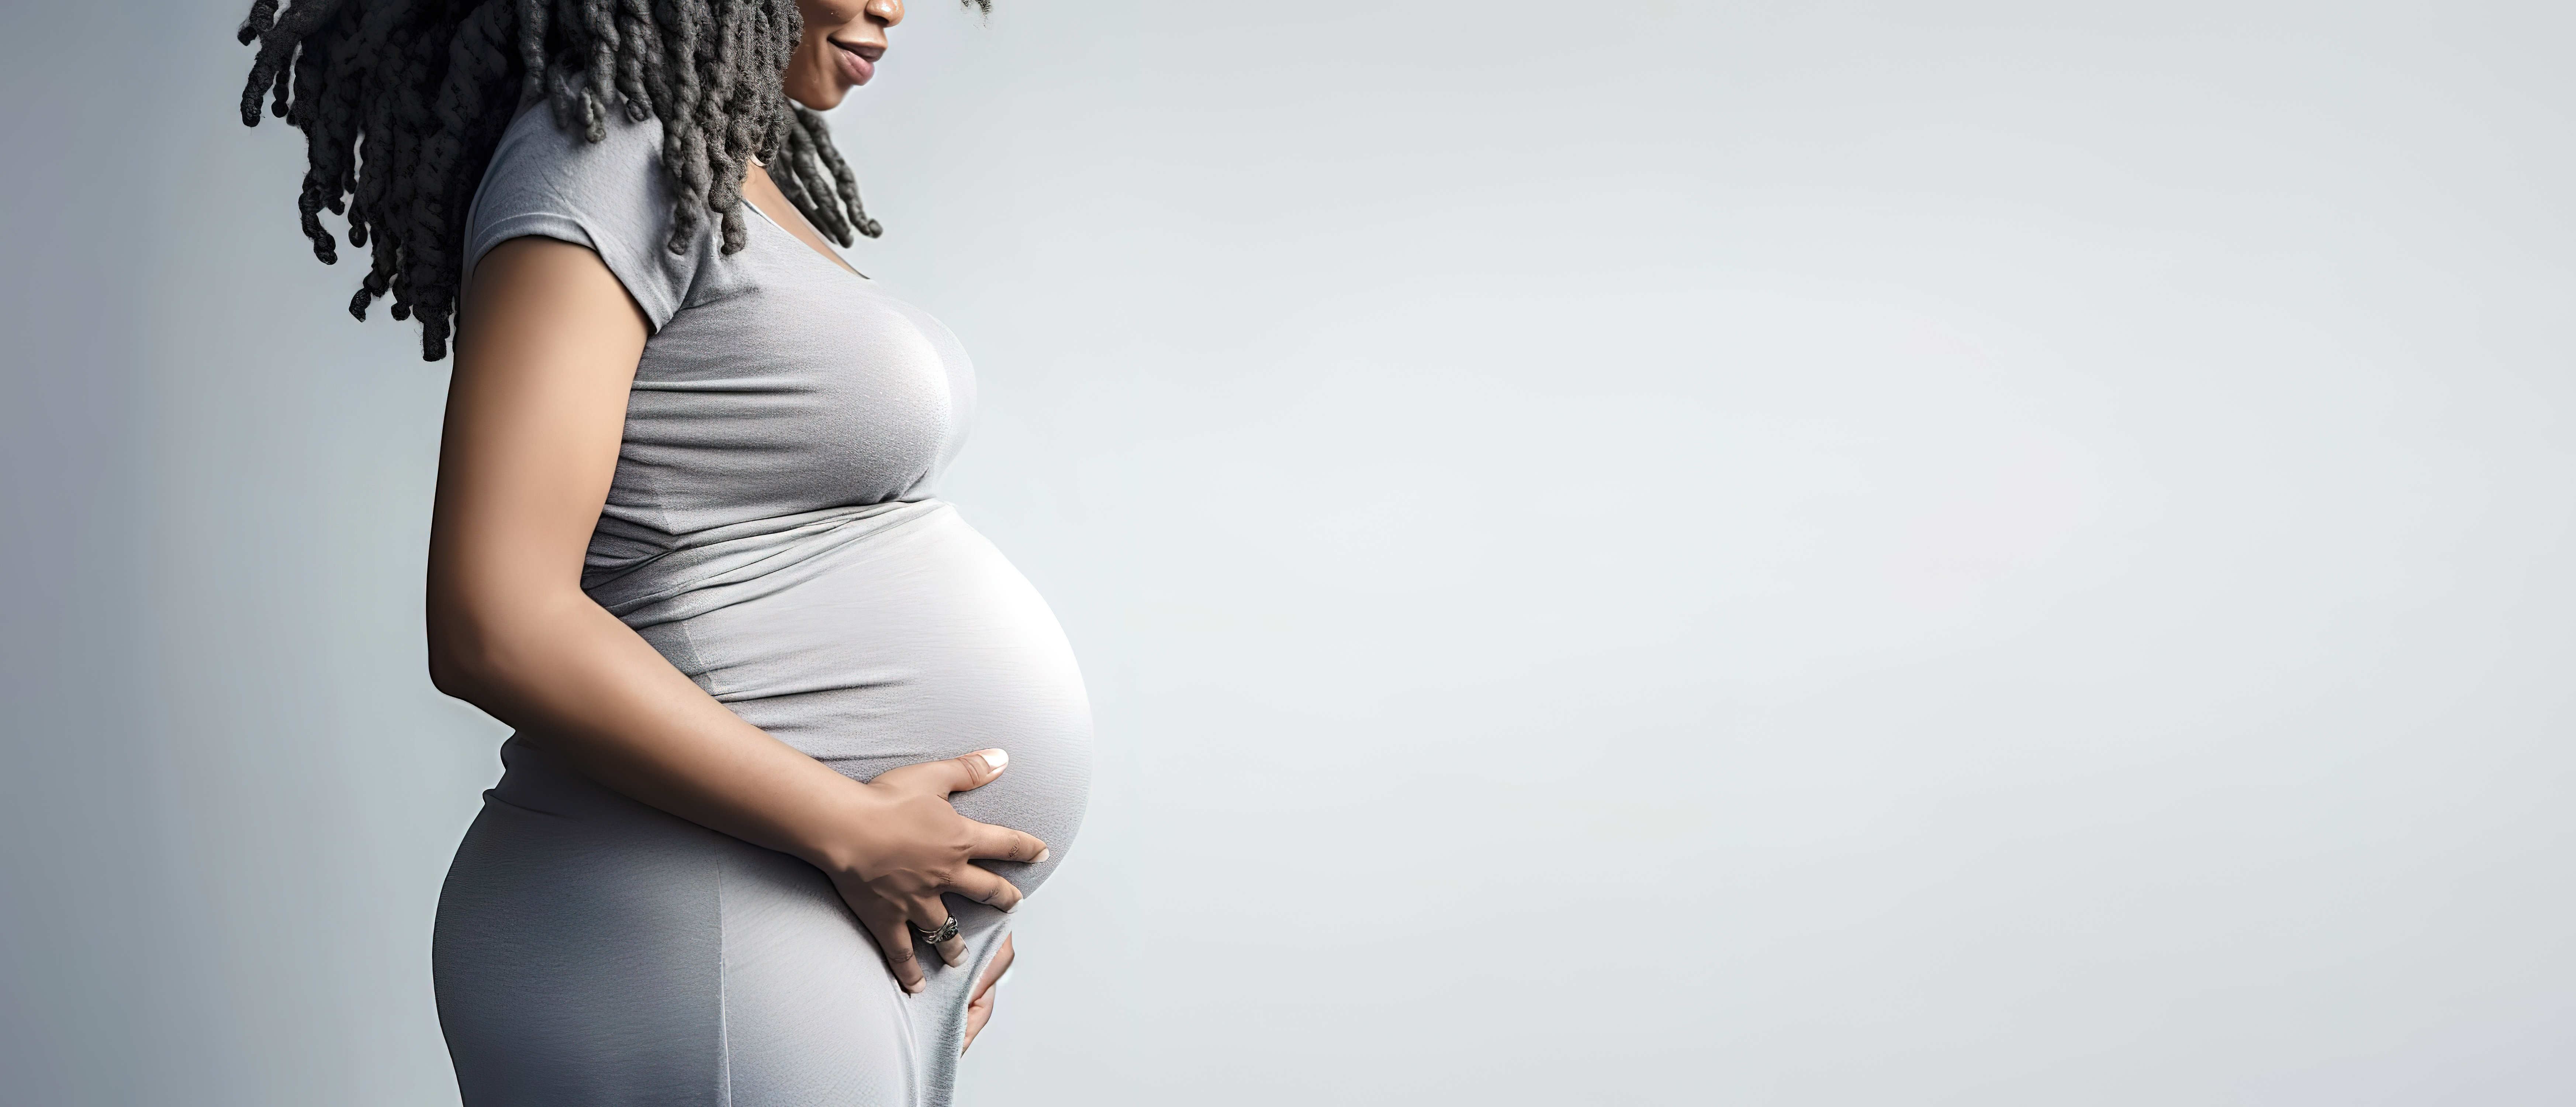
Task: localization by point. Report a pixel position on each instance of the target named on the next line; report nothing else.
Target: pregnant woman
(791, 738)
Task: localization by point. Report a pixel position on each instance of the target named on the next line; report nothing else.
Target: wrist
(837, 838)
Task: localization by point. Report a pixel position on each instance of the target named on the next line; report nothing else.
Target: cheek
(818, 27)
(804, 74)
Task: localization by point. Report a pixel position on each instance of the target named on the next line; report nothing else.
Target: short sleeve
(610, 196)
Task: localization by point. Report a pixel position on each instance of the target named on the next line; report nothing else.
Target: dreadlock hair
(403, 101)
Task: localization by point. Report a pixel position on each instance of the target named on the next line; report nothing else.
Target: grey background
(1841, 553)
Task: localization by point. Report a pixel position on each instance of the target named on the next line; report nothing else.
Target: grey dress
(772, 531)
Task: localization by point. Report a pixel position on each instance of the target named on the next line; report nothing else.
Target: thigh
(812, 1015)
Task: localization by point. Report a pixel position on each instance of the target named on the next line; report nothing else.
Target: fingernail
(914, 988)
(995, 760)
(1042, 854)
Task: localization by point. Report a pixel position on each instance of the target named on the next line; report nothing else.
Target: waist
(548, 802)
(678, 579)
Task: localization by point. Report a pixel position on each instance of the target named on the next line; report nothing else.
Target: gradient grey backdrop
(1844, 553)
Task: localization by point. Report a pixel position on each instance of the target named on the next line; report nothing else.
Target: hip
(592, 949)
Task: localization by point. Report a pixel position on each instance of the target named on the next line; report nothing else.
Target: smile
(858, 60)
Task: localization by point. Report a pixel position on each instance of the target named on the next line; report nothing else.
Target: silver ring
(947, 931)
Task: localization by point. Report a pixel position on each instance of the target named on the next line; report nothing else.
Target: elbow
(463, 656)
(488, 648)
(448, 671)
(453, 668)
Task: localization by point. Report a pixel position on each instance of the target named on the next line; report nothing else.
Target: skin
(843, 42)
(536, 408)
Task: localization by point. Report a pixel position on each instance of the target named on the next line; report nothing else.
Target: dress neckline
(841, 266)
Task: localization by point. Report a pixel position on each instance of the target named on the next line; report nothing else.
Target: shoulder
(543, 174)
(538, 159)
(612, 196)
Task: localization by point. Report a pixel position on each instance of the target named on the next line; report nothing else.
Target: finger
(997, 968)
(894, 940)
(978, 1012)
(984, 886)
(1001, 843)
(957, 774)
(932, 915)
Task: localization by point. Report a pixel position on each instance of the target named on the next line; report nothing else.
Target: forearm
(582, 685)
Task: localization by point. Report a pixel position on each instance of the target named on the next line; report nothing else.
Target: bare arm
(535, 412)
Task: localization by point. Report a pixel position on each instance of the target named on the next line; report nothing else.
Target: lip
(858, 60)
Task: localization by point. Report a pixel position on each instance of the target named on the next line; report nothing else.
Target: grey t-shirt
(780, 394)
(772, 529)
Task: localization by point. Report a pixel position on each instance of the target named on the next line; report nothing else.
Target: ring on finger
(947, 932)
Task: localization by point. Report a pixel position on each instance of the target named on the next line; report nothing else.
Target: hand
(906, 845)
(979, 1010)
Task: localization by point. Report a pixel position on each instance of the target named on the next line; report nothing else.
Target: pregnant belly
(916, 643)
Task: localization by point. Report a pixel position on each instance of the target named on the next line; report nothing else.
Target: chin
(823, 99)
